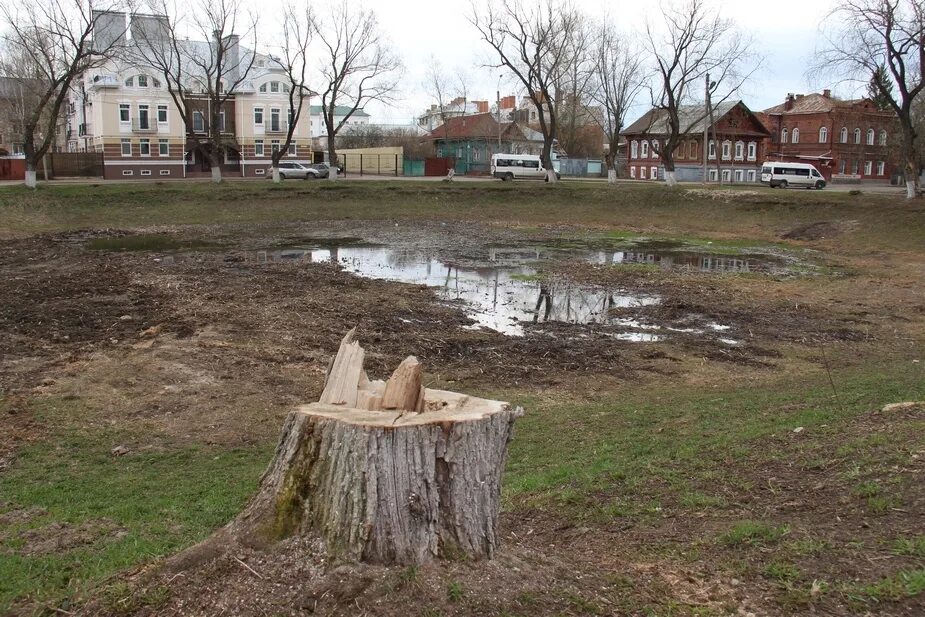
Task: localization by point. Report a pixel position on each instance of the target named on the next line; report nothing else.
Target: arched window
(882, 139)
(823, 135)
(740, 150)
(130, 82)
(645, 149)
(274, 86)
(263, 88)
(142, 81)
(727, 150)
(870, 137)
(857, 136)
(634, 149)
(783, 136)
(796, 136)
(843, 136)
(156, 82)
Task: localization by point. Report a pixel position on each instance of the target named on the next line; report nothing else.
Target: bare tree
(540, 44)
(694, 42)
(450, 93)
(297, 28)
(617, 83)
(358, 66)
(200, 76)
(48, 44)
(867, 35)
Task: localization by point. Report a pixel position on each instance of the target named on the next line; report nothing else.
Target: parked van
(797, 175)
(518, 167)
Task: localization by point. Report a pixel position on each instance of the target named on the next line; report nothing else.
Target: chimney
(827, 93)
(232, 65)
(108, 29)
(788, 104)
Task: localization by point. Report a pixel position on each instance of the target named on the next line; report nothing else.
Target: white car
(289, 170)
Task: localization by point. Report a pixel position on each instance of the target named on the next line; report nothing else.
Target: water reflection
(499, 297)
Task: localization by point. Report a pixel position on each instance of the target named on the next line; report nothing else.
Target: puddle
(148, 242)
(500, 297)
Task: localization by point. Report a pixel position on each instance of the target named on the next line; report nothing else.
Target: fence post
(361, 164)
(396, 166)
(378, 164)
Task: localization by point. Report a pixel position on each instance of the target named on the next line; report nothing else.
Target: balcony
(144, 126)
(280, 127)
(104, 80)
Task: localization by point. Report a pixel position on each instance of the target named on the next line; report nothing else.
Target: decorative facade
(124, 110)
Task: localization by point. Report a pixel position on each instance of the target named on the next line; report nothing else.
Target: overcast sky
(785, 31)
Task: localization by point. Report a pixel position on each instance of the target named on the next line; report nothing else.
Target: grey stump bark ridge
(385, 472)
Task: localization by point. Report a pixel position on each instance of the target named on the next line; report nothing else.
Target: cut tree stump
(385, 472)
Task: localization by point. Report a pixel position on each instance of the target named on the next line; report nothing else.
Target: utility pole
(498, 92)
(706, 126)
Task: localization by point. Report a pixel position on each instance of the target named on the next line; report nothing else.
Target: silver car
(295, 171)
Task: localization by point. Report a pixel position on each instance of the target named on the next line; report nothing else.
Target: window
(165, 172)
(634, 151)
(258, 147)
(752, 151)
(258, 115)
(642, 172)
(692, 150)
(784, 136)
(881, 168)
(855, 167)
(712, 151)
(713, 175)
(163, 147)
(476, 154)
(17, 149)
(124, 113)
(857, 136)
(843, 167)
(740, 151)
(740, 176)
(262, 88)
(162, 114)
(145, 172)
(727, 150)
(142, 81)
(221, 121)
(126, 147)
(274, 146)
(843, 135)
(633, 171)
(645, 149)
(681, 151)
(156, 83)
(274, 86)
(653, 173)
(143, 119)
(128, 172)
(275, 124)
(870, 137)
(259, 172)
(655, 148)
(199, 125)
(144, 147)
(795, 137)
(752, 175)
(727, 175)
(130, 82)
(882, 138)
(868, 168)
(823, 135)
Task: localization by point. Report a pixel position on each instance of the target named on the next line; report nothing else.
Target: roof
(811, 104)
(340, 111)
(693, 119)
(484, 126)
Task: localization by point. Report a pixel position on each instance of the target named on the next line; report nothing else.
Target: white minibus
(797, 175)
(518, 167)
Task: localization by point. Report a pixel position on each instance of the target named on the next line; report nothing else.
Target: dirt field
(705, 383)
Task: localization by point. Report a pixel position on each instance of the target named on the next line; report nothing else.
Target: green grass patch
(753, 533)
(163, 501)
(912, 547)
(901, 585)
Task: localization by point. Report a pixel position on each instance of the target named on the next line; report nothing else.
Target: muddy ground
(211, 346)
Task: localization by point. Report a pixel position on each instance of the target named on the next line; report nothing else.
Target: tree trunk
(611, 176)
(30, 179)
(276, 177)
(389, 486)
(216, 173)
(670, 178)
(332, 159)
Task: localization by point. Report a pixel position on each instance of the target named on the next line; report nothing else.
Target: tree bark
(30, 179)
(388, 486)
(611, 176)
(670, 178)
(276, 177)
(216, 172)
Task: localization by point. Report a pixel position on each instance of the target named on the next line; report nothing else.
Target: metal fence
(580, 168)
(371, 164)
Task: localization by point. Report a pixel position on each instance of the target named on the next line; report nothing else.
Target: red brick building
(738, 144)
(845, 140)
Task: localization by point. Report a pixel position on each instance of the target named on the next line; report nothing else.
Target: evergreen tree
(880, 88)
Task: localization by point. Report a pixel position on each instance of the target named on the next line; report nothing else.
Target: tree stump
(386, 472)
